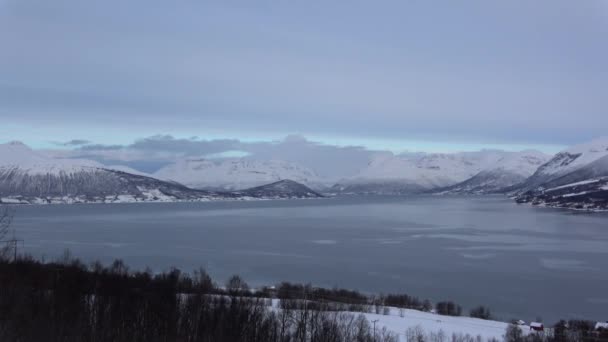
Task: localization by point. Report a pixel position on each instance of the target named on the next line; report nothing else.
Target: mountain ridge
(574, 178)
(30, 177)
(423, 173)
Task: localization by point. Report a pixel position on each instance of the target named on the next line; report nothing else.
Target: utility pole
(374, 321)
(13, 242)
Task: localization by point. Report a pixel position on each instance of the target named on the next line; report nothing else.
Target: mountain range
(486, 171)
(574, 178)
(27, 176)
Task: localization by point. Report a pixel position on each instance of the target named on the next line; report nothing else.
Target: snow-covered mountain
(236, 174)
(27, 176)
(508, 171)
(390, 174)
(568, 161)
(574, 178)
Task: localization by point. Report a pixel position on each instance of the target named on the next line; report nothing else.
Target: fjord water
(521, 261)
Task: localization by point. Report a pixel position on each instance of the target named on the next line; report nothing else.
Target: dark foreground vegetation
(68, 301)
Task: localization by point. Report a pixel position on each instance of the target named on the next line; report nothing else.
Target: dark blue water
(521, 261)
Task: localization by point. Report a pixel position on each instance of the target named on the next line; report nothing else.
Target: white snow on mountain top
(235, 174)
(16, 155)
(440, 170)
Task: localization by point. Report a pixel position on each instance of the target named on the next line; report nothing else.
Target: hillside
(574, 178)
(508, 171)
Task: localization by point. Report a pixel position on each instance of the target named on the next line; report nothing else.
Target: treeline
(291, 296)
(70, 301)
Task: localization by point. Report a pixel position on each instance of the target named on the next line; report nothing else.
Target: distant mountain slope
(485, 182)
(510, 170)
(235, 174)
(30, 177)
(281, 189)
(390, 174)
(27, 176)
(574, 178)
(568, 161)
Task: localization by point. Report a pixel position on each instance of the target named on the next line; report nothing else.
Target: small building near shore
(537, 326)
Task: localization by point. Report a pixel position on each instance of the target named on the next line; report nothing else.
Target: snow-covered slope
(431, 325)
(235, 174)
(389, 174)
(574, 178)
(568, 161)
(508, 171)
(27, 176)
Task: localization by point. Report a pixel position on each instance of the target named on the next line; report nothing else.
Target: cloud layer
(484, 71)
(149, 154)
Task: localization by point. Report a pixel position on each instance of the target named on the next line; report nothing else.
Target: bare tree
(6, 218)
(513, 334)
(236, 285)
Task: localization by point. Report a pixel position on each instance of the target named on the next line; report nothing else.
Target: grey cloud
(195, 147)
(101, 147)
(327, 160)
(73, 142)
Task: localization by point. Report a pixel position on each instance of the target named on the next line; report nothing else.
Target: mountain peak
(16, 152)
(16, 144)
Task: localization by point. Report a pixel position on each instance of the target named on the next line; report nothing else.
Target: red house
(536, 326)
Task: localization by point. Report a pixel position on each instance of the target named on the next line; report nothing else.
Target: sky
(435, 76)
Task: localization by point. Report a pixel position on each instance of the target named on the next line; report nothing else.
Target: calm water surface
(521, 261)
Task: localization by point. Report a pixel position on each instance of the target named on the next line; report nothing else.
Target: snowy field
(399, 321)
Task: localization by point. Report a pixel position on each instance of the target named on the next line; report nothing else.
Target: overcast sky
(396, 75)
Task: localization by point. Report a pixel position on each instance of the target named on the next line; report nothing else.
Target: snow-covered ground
(399, 321)
(433, 323)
